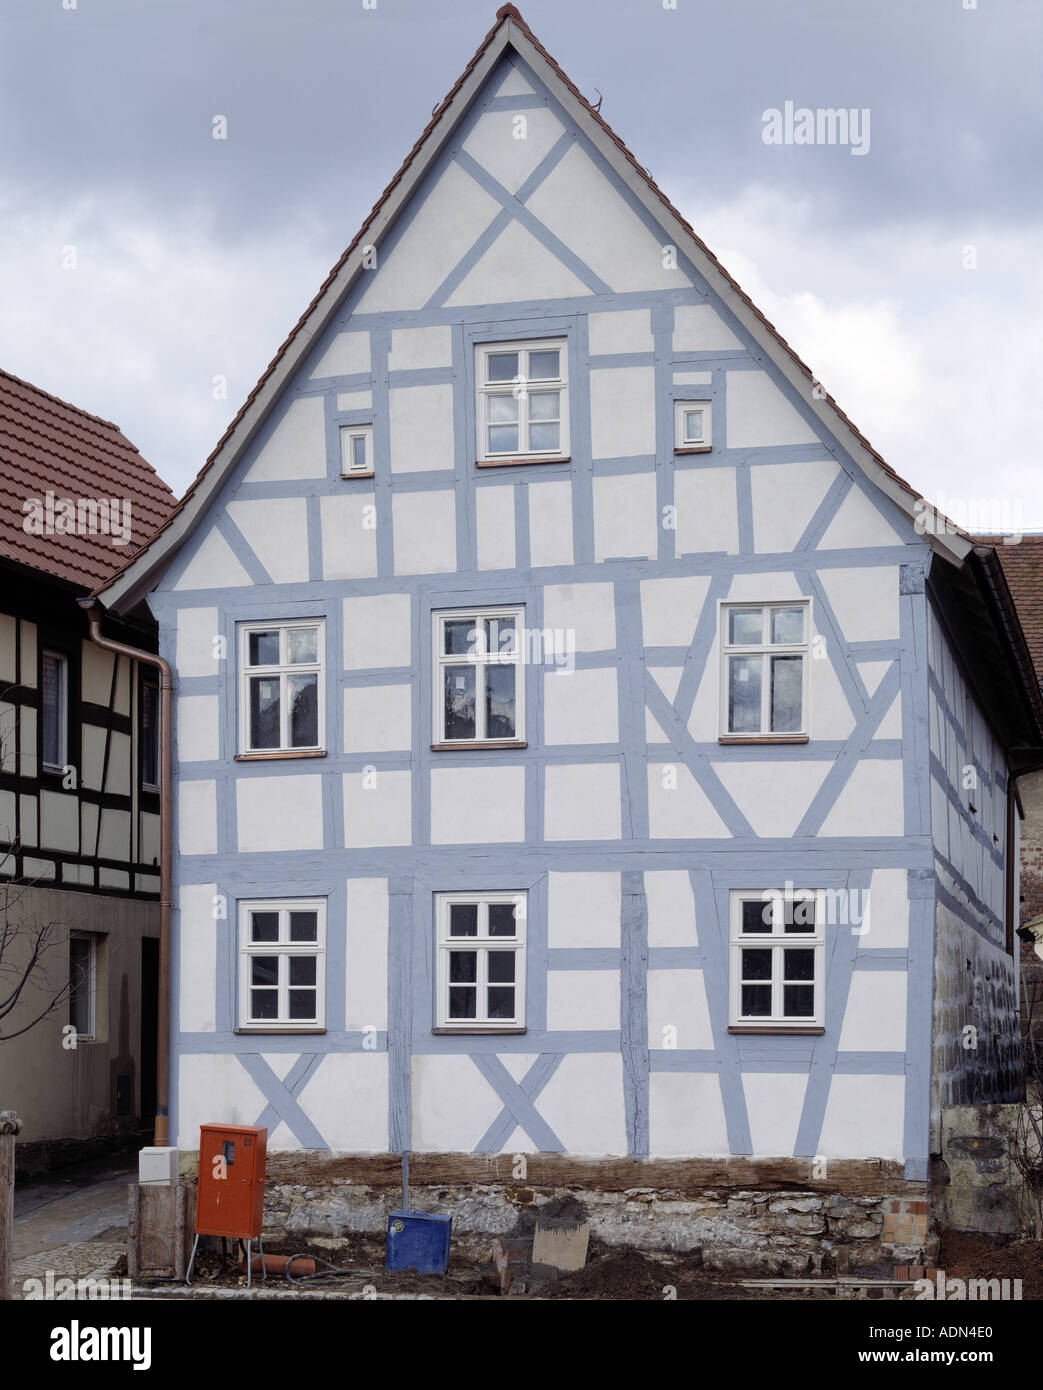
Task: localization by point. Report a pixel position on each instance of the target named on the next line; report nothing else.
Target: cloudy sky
(908, 278)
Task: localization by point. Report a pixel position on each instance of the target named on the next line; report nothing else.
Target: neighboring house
(79, 800)
(560, 677)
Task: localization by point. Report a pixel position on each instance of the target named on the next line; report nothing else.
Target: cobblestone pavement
(74, 1227)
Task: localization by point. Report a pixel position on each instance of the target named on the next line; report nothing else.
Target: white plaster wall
(197, 952)
(774, 1103)
(421, 428)
(678, 808)
(198, 738)
(114, 842)
(349, 535)
(347, 355)
(377, 718)
(625, 518)
(697, 328)
(773, 804)
(279, 813)
(59, 821)
(296, 447)
(707, 515)
(864, 1118)
(8, 630)
(626, 330)
(578, 203)
(355, 400)
(678, 1014)
(92, 756)
(513, 84)
(276, 530)
(859, 523)
(377, 808)
(360, 1126)
(509, 145)
(582, 1000)
(670, 609)
(622, 412)
(871, 803)
(785, 499)
(580, 706)
(377, 630)
(685, 1115)
(758, 413)
(517, 266)
(588, 610)
(494, 514)
(214, 1084)
(874, 1020)
(366, 954)
(583, 1103)
(582, 802)
(453, 1104)
(865, 601)
(197, 629)
(95, 673)
(668, 679)
(477, 805)
(117, 778)
(197, 817)
(453, 215)
(583, 909)
(671, 908)
(214, 566)
(425, 532)
(550, 523)
(829, 713)
(413, 349)
(888, 910)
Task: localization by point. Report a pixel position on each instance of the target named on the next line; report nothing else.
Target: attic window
(691, 425)
(356, 451)
(522, 405)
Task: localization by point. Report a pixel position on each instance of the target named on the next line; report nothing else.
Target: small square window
(692, 425)
(356, 451)
(481, 961)
(777, 960)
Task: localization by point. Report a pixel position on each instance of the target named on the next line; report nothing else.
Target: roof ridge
(57, 400)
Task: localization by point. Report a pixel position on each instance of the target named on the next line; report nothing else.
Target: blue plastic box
(417, 1240)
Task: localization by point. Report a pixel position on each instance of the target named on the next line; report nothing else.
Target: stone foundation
(778, 1227)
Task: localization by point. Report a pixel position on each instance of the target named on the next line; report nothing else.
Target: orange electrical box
(230, 1200)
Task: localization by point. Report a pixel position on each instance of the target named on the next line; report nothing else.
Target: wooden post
(133, 1230)
(10, 1126)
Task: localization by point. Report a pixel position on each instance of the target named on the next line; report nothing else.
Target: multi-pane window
(54, 710)
(692, 424)
(522, 400)
(282, 964)
(777, 959)
(481, 960)
(478, 682)
(281, 686)
(149, 741)
(83, 969)
(765, 648)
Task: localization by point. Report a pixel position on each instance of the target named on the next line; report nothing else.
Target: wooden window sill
(763, 738)
(470, 1032)
(516, 463)
(346, 477)
(457, 745)
(271, 757)
(779, 1029)
(276, 1032)
(693, 449)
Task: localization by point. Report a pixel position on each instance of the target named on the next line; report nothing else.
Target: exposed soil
(978, 1257)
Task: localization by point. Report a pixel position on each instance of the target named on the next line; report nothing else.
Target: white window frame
(482, 944)
(765, 650)
(776, 939)
(478, 617)
(91, 984)
(282, 669)
(681, 440)
(284, 949)
(62, 665)
(348, 434)
(523, 388)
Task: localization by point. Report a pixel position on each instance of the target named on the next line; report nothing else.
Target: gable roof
(48, 445)
(1022, 564)
(510, 32)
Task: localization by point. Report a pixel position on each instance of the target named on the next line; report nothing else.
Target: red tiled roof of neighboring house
(1022, 564)
(50, 446)
(510, 12)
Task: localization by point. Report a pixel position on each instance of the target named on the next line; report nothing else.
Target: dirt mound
(627, 1274)
(978, 1257)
